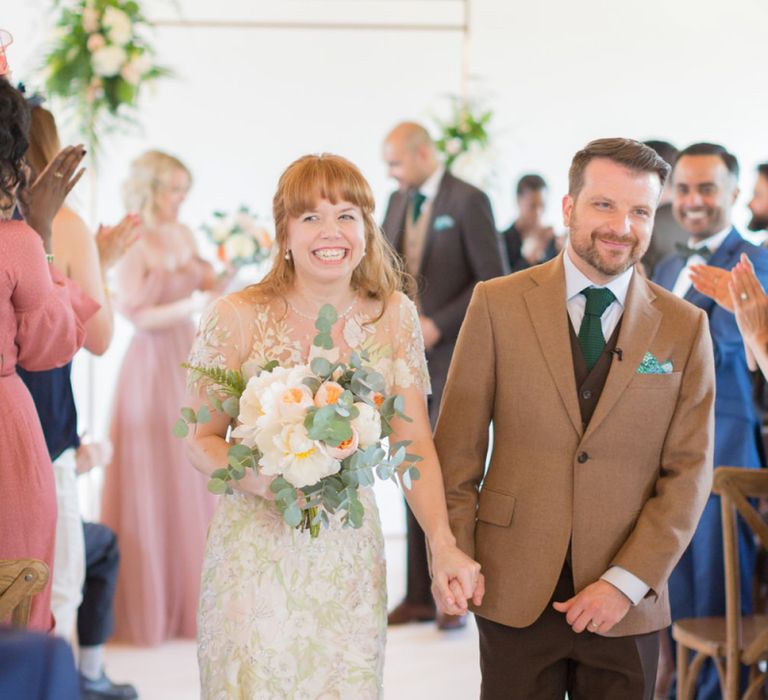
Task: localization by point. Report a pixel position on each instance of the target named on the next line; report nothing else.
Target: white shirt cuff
(627, 583)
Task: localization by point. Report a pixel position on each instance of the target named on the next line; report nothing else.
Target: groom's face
(610, 219)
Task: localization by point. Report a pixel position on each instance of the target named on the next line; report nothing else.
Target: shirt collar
(430, 186)
(576, 280)
(713, 242)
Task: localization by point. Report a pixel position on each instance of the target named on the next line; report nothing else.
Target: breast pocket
(496, 508)
(657, 382)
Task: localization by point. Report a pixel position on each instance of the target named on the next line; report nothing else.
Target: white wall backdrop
(246, 100)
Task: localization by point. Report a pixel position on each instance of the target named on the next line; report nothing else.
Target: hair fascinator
(5, 41)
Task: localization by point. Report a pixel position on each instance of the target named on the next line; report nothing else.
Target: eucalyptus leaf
(181, 429)
(293, 515)
(406, 479)
(321, 367)
(222, 474)
(231, 406)
(189, 414)
(217, 486)
(203, 415)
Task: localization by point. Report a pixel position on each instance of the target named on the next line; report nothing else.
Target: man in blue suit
(705, 182)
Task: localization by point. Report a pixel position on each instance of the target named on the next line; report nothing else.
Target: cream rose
(108, 61)
(118, 26)
(367, 425)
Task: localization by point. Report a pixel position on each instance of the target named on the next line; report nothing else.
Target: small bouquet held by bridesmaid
(240, 238)
(318, 428)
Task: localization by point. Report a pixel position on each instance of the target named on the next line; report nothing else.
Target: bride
(283, 615)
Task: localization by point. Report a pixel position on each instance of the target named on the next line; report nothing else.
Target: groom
(600, 386)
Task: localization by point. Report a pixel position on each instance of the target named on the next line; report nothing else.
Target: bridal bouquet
(240, 238)
(319, 429)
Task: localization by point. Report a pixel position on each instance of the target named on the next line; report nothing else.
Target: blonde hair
(149, 172)
(326, 176)
(44, 141)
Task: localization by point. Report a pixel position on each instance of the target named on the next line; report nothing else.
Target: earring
(287, 255)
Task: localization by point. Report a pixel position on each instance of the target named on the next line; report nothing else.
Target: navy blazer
(737, 427)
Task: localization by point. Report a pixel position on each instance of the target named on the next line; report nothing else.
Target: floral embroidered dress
(283, 615)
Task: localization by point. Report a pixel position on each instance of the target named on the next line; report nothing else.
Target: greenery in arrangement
(319, 429)
(466, 129)
(99, 62)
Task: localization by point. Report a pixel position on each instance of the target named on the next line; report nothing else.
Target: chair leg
(692, 675)
(682, 670)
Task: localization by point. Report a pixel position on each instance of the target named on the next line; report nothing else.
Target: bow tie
(685, 252)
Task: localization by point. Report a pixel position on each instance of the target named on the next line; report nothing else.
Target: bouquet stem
(308, 522)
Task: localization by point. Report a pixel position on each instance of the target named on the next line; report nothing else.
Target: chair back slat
(20, 580)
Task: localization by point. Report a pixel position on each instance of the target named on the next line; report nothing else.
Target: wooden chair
(20, 580)
(734, 639)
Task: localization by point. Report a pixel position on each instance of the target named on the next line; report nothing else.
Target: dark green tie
(418, 200)
(591, 337)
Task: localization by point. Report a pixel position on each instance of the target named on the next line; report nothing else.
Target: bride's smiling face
(327, 242)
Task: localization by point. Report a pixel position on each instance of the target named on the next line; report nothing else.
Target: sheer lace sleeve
(220, 342)
(409, 362)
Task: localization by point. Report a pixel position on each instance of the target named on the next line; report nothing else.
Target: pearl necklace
(344, 314)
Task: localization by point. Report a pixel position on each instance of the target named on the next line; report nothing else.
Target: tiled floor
(420, 663)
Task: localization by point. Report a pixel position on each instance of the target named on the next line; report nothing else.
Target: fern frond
(231, 381)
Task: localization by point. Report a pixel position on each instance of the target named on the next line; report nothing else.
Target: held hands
(113, 241)
(597, 608)
(44, 197)
(455, 579)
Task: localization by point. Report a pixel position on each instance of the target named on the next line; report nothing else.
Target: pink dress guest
(158, 505)
(41, 327)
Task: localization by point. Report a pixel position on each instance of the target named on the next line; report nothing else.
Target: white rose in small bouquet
(240, 239)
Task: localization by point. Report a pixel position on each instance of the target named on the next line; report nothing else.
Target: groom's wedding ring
(58, 175)
(743, 296)
(593, 626)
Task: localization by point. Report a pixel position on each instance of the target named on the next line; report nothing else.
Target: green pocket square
(650, 365)
(443, 222)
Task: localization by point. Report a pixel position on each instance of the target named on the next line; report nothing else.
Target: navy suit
(697, 585)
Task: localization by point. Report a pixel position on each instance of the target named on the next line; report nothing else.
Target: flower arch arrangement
(466, 130)
(99, 62)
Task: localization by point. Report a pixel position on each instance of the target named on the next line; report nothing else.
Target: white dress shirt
(575, 281)
(430, 186)
(683, 282)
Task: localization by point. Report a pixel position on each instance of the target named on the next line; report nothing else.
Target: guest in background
(158, 507)
(42, 317)
(759, 202)
(705, 182)
(84, 259)
(444, 230)
(528, 241)
(667, 233)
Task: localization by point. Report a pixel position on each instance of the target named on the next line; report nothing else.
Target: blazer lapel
(549, 316)
(443, 195)
(639, 324)
(723, 257)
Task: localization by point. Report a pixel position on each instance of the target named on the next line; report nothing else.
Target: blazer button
(586, 394)
(583, 457)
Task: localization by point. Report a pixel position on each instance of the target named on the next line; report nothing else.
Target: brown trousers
(548, 659)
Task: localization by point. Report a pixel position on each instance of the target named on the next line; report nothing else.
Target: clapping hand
(713, 282)
(113, 241)
(43, 198)
(750, 302)
(456, 578)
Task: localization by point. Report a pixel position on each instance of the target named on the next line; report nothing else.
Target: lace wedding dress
(283, 616)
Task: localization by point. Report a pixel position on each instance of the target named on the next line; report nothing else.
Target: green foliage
(466, 127)
(99, 63)
(230, 381)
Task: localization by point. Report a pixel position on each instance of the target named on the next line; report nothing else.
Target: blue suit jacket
(737, 427)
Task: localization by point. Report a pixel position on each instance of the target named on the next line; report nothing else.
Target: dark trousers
(547, 659)
(102, 561)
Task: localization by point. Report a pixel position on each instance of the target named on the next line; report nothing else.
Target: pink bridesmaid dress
(153, 498)
(41, 327)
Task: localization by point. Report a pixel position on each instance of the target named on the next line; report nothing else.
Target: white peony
(108, 61)
(367, 425)
(118, 26)
(288, 450)
(220, 230)
(240, 246)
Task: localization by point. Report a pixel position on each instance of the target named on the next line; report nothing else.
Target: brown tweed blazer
(627, 491)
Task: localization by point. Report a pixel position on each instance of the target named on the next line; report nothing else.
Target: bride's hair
(326, 176)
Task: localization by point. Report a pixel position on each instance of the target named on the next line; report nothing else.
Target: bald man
(444, 230)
